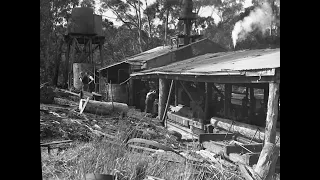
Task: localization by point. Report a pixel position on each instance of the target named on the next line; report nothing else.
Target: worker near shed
(86, 80)
(91, 83)
(150, 97)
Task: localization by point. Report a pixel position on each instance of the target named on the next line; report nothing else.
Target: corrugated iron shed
(164, 55)
(224, 63)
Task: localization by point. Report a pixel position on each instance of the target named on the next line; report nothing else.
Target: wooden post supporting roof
(163, 95)
(272, 114)
(208, 87)
(227, 99)
(267, 160)
(265, 96)
(71, 61)
(131, 92)
(252, 103)
(101, 54)
(176, 93)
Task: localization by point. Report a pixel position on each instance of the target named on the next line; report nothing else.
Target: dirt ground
(106, 138)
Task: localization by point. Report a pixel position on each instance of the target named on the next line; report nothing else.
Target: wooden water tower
(83, 38)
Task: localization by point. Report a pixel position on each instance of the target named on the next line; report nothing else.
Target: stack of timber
(226, 145)
(183, 116)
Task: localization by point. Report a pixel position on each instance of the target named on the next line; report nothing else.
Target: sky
(204, 12)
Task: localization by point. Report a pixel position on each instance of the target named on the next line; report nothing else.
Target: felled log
(98, 107)
(150, 143)
(152, 178)
(95, 176)
(247, 130)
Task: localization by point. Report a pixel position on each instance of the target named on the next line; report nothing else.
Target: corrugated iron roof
(221, 63)
(112, 65)
(141, 58)
(150, 54)
(144, 56)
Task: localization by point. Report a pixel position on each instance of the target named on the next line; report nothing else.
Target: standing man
(85, 81)
(91, 83)
(149, 101)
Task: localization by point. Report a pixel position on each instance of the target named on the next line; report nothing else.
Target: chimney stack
(187, 16)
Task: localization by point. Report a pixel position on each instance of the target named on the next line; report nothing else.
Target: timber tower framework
(83, 39)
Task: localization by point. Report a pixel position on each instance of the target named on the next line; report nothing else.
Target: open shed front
(235, 104)
(236, 93)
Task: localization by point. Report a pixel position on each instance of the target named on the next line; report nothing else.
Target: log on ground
(103, 108)
(247, 130)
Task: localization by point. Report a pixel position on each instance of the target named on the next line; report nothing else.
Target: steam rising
(260, 18)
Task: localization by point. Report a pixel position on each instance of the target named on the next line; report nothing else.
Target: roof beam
(215, 79)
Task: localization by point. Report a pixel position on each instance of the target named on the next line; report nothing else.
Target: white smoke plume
(260, 18)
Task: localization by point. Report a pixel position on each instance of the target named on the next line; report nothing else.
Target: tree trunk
(166, 27)
(139, 27)
(57, 64)
(66, 70)
(47, 62)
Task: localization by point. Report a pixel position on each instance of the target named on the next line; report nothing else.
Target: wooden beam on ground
(227, 100)
(214, 147)
(84, 105)
(246, 148)
(55, 142)
(178, 119)
(248, 158)
(215, 137)
(142, 148)
(150, 143)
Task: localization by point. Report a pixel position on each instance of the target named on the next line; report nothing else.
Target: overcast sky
(204, 12)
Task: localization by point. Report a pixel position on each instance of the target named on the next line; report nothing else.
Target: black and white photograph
(160, 89)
